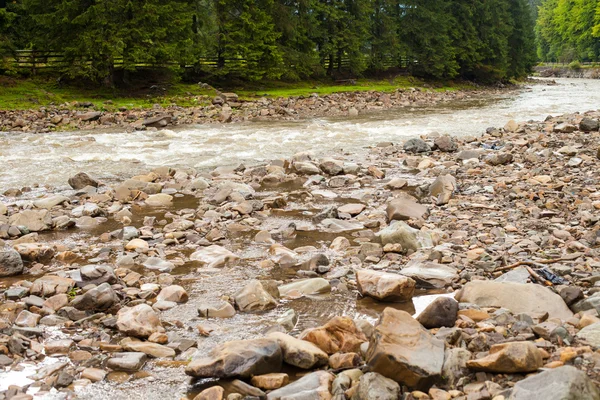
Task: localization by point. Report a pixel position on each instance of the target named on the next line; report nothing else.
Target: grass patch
(23, 94)
(32, 93)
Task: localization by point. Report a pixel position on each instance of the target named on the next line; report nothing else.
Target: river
(49, 159)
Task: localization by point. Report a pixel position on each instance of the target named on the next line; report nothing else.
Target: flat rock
(340, 334)
(254, 297)
(562, 383)
(239, 358)
(403, 350)
(126, 361)
(300, 353)
(33, 220)
(154, 350)
(49, 202)
(590, 334)
(509, 358)
(375, 386)
(50, 285)
(140, 321)
(222, 309)
(403, 209)
(214, 256)
(315, 386)
(517, 297)
(305, 287)
(159, 200)
(409, 238)
(385, 286)
(434, 274)
(100, 298)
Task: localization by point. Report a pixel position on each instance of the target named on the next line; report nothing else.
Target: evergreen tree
(296, 22)
(386, 47)
(247, 39)
(521, 41)
(94, 34)
(425, 29)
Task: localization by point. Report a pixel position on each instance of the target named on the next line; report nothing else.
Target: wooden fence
(33, 61)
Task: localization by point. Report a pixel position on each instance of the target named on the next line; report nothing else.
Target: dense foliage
(485, 40)
(569, 30)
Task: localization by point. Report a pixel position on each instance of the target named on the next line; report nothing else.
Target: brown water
(27, 159)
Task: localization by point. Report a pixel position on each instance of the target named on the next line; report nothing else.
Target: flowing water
(50, 158)
(27, 159)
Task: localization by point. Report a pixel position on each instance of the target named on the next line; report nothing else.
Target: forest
(568, 31)
(481, 40)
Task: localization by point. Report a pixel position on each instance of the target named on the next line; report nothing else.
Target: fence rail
(37, 60)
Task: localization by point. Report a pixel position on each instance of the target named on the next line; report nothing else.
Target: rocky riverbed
(225, 108)
(437, 268)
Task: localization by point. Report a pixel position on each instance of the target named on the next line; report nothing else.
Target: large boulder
(385, 286)
(81, 180)
(403, 350)
(214, 256)
(33, 220)
(338, 335)
(254, 297)
(238, 358)
(315, 386)
(563, 383)
(10, 263)
(517, 297)
(409, 238)
(140, 321)
(300, 353)
(403, 209)
(509, 358)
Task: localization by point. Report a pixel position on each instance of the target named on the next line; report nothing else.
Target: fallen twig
(537, 264)
(538, 278)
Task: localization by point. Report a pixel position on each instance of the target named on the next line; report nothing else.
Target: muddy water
(26, 159)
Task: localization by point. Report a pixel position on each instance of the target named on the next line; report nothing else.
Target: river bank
(123, 290)
(227, 108)
(566, 72)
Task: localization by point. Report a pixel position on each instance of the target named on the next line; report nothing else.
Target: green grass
(22, 94)
(32, 93)
(322, 88)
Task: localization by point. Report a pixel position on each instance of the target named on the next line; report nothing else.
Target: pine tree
(94, 34)
(521, 41)
(425, 29)
(247, 40)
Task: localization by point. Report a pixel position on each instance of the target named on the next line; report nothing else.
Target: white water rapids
(28, 159)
